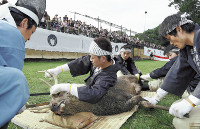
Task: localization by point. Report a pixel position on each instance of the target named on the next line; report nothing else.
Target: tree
(151, 36)
(192, 7)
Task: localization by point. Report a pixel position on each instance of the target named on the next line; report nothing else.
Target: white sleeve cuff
(148, 76)
(61, 68)
(160, 93)
(194, 99)
(65, 67)
(74, 91)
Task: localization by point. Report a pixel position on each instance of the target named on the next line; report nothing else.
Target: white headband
(96, 50)
(125, 50)
(183, 21)
(29, 13)
(5, 13)
(175, 50)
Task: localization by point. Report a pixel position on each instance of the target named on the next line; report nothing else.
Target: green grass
(142, 119)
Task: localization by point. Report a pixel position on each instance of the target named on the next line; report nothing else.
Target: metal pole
(98, 22)
(121, 29)
(74, 16)
(145, 19)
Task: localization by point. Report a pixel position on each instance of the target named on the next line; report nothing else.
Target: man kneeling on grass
(102, 70)
(185, 35)
(160, 73)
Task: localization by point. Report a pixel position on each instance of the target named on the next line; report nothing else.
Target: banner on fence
(49, 40)
(157, 54)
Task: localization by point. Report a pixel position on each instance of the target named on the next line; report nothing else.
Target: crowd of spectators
(68, 25)
(148, 44)
(3, 2)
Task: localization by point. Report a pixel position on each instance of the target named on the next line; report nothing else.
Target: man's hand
(60, 87)
(137, 75)
(70, 88)
(56, 71)
(151, 100)
(179, 109)
(160, 93)
(145, 77)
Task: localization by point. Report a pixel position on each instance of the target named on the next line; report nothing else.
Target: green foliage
(141, 119)
(192, 7)
(151, 36)
(31, 69)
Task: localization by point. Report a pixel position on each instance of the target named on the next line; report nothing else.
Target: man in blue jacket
(17, 24)
(185, 35)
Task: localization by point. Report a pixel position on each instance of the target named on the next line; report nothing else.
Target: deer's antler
(52, 76)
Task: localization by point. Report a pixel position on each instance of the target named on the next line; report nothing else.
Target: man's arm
(94, 93)
(133, 67)
(77, 67)
(178, 77)
(162, 72)
(122, 68)
(80, 66)
(14, 93)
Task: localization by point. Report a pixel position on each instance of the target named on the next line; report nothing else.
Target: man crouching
(102, 70)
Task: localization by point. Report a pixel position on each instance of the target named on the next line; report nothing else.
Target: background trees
(192, 7)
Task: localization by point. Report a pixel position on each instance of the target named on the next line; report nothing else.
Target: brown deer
(120, 98)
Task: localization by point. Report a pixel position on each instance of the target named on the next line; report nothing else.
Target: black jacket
(162, 72)
(127, 66)
(98, 83)
(185, 68)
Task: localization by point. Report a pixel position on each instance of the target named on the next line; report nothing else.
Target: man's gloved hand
(145, 77)
(70, 88)
(160, 93)
(119, 73)
(60, 87)
(56, 71)
(179, 109)
(137, 75)
(151, 100)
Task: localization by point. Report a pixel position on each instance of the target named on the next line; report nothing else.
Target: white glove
(119, 73)
(56, 71)
(159, 95)
(145, 77)
(151, 100)
(179, 109)
(70, 88)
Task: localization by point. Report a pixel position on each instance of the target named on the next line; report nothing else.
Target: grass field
(142, 119)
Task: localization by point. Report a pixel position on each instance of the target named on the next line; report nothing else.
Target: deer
(122, 97)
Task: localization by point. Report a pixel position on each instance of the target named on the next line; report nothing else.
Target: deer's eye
(58, 94)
